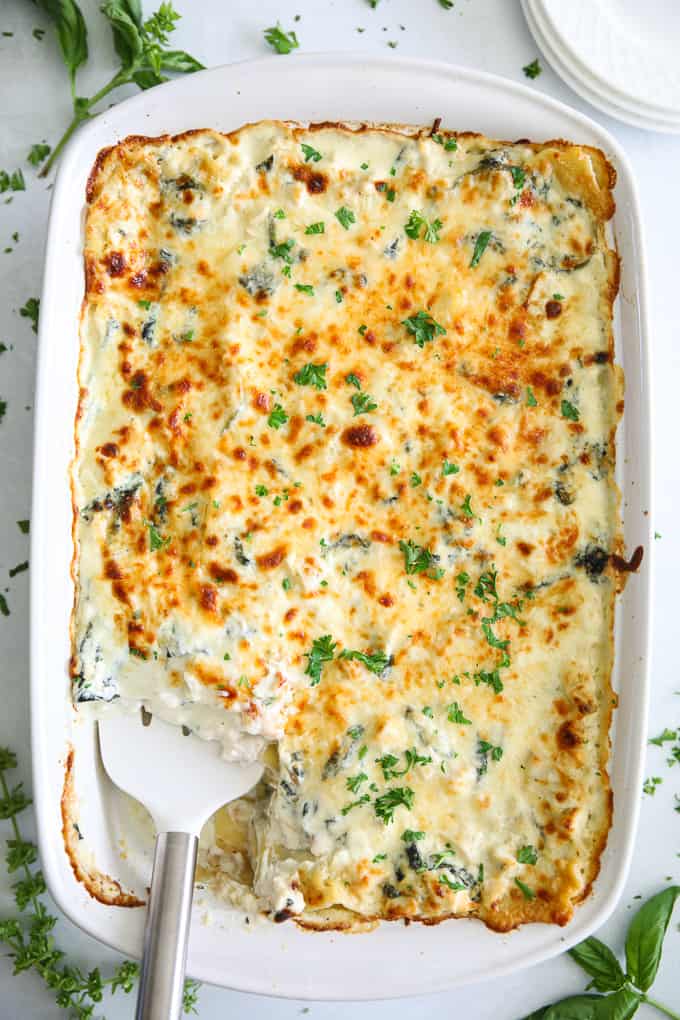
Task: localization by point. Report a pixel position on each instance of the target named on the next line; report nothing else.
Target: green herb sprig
(141, 46)
(29, 938)
(621, 992)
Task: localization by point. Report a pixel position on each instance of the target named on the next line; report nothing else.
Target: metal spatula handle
(167, 927)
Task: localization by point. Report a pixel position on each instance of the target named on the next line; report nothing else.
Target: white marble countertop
(486, 34)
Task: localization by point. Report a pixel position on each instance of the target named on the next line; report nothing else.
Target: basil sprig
(141, 45)
(622, 993)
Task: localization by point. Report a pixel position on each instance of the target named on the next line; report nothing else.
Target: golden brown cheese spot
(360, 436)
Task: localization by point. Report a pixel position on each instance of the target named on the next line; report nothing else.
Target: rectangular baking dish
(225, 951)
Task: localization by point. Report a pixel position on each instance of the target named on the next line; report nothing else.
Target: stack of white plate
(623, 56)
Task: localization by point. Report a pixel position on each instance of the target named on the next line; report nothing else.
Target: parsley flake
(423, 328)
(397, 796)
(363, 403)
(280, 40)
(277, 417)
(345, 217)
(323, 650)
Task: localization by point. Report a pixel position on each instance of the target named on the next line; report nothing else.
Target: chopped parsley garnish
(286, 584)
(531, 399)
(455, 714)
(261, 490)
(427, 710)
(448, 144)
(279, 214)
(558, 297)
(316, 228)
(489, 677)
(501, 539)
(423, 328)
(378, 858)
(395, 468)
(312, 375)
(412, 835)
(376, 662)
(354, 782)
(527, 855)
(569, 411)
(24, 527)
(649, 786)
(156, 540)
(38, 153)
(533, 69)
(486, 586)
(19, 569)
(31, 310)
(316, 419)
(484, 747)
(363, 403)
(462, 580)
(449, 469)
(277, 417)
(491, 638)
(362, 330)
(12, 182)
(283, 250)
(146, 305)
(415, 480)
(4, 608)
(323, 650)
(281, 41)
(338, 296)
(528, 893)
(353, 380)
(355, 803)
(310, 153)
(345, 216)
(483, 238)
(387, 803)
(417, 558)
(466, 508)
(415, 224)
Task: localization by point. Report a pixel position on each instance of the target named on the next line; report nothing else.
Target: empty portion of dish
(344, 497)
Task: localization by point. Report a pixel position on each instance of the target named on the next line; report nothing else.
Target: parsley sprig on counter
(29, 936)
(620, 992)
(141, 46)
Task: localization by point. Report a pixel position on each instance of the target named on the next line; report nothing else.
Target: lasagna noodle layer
(344, 496)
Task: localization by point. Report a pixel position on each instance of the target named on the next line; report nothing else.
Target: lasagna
(344, 498)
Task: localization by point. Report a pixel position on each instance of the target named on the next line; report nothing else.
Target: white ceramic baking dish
(281, 960)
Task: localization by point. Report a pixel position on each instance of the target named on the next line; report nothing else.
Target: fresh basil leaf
(598, 960)
(644, 941)
(127, 39)
(178, 60)
(71, 31)
(620, 1006)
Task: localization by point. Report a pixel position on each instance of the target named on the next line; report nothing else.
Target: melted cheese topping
(344, 490)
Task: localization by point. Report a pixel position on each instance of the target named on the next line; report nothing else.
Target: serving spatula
(182, 781)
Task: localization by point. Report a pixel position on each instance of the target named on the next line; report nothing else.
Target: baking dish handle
(166, 934)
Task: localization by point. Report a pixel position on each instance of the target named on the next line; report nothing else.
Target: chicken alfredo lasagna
(344, 498)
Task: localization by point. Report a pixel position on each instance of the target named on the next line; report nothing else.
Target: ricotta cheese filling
(344, 498)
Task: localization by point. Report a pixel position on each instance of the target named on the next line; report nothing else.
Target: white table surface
(486, 34)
